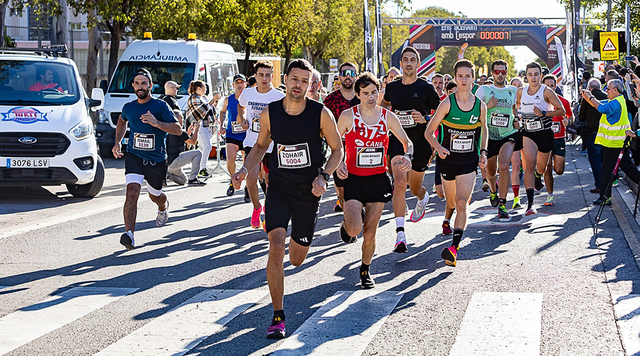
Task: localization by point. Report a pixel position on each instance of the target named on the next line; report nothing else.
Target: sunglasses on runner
(348, 73)
(503, 72)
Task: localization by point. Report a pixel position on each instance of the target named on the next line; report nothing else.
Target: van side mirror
(97, 99)
(103, 85)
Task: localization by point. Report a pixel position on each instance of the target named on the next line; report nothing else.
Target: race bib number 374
(294, 156)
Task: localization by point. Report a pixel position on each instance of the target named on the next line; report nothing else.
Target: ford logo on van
(28, 140)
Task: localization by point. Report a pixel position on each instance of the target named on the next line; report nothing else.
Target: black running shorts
(559, 147)
(233, 141)
(153, 172)
(286, 201)
(337, 181)
(494, 146)
(449, 171)
(544, 139)
(421, 153)
(368, 189)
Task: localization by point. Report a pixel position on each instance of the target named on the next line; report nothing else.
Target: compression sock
(529, 198)
(457, 237)
(364, 268)
(516, 190)
(400, 222)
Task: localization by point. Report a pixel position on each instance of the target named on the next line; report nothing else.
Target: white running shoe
(419, 210)
(401, 243)
(163, 216)
(127, 240)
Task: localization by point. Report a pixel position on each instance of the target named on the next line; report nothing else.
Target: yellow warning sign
(609, 49)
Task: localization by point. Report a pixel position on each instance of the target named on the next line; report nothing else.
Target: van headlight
(103, 117)
(82, 130)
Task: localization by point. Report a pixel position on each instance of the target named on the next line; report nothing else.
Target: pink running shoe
(276, 331)
(255, 218)
(450, 254)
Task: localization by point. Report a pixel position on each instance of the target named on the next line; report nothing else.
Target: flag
(368, 40)
(562, 73)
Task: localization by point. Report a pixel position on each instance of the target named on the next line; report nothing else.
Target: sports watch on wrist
(324, 175)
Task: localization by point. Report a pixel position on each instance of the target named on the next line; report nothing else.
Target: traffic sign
(609, 46)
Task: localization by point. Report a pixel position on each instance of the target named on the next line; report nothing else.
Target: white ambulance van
(46, 133)
(179, 61)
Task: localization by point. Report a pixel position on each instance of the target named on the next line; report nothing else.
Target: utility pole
(628, 23)
(608, 15)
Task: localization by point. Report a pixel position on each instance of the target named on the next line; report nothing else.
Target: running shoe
(615, 183)
(256, 223)
(401, 243)
(247, 198)
(446, 228)
(276, 330)
(493, 199)
(337, 208)
(503, 213)
(230, 190)
(345, 236)
(366, 281)
(531, 211)
(549, 201)
(419, 210)
(485, 185)
(538, 182)
(450, 254)
(198, 183)
(516, 203)
(599, 201)
(204, 173)
(163, 216)
(127, 240)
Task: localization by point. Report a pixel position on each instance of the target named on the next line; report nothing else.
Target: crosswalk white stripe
(34, 321)
(3, 287)
(500, 324)
(344, 325)
(627, 310)
(184, 327)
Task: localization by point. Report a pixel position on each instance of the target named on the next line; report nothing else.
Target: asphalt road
(542, 286)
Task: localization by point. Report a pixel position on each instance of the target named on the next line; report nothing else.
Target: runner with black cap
(149, 120)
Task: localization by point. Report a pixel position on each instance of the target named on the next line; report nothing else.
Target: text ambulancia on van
(46, 132)
(167, 60)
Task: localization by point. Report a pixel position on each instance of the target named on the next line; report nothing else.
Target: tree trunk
(3, 11)
(117, 29)
(287, 54)
(247, 54)
(95, 42)
(59, 26)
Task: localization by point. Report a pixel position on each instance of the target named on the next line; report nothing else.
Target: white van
(179, 61)
(46, 132)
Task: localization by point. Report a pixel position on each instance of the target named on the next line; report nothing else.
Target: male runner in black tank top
(297, 180)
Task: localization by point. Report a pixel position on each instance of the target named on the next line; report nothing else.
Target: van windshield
(161, 72)
(37, 83)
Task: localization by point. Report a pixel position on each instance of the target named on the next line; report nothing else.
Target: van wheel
(92, 189)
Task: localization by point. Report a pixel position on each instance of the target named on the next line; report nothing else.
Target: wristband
(483, 151)
(246, 171)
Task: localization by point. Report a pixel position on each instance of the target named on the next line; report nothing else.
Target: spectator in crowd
(452, 87)
(613, 128)
(177, 157)
(315, 87)
(200, 110)
(252, 81)
(591, 116)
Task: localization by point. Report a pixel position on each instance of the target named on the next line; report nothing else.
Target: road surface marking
(34, 321)
(627, 309)
(344, 325)
(500, 324)
(184, 327)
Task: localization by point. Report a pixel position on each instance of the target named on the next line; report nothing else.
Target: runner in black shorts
(366, 133)
(536, 104)
(461, 145)
(411, 99)
(150, 120)
(296, 126)
(233, 130)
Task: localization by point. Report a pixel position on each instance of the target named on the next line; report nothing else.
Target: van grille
(47, 145)
(32, 174)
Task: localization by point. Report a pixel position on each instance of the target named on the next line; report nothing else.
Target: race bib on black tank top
(293, 156)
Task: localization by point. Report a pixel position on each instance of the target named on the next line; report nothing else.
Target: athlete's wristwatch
(483, 151)
(544, 113)
(324, 175)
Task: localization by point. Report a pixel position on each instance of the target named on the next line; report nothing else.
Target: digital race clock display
(494, 35)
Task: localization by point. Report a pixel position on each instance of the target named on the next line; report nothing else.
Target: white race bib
(405, 118)
(144, 142)
(500, 120)
(462, 143)
(533, 125)
(555, 127)
(236, 128)
(255, 126)
(369, 157)
(294, 156)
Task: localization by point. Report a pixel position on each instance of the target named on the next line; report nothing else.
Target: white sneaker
(127, 240)
(401, 243)
(163, 216)
(419, 210)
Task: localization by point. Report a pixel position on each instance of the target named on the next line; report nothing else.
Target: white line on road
(183, 328)
(345, 325)
(34, 321)
(500, 324)
(627, 309)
